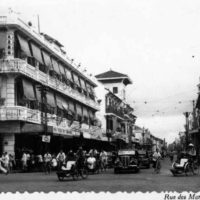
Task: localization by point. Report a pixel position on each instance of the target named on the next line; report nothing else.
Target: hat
(190, 145)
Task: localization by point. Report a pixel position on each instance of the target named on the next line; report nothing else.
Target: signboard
(61, 131)
(126, 152)
(46, 138)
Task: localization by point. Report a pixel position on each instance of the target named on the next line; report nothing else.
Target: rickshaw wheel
(60, 178)
(84, 174)
(75, 176)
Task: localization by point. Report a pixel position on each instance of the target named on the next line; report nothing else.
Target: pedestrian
(54, 162)
(2, 168)
(61, 158)
(24, 161)
(47, 162)
(5, 159)
(171, 156)
(156, 160)
(103, 160)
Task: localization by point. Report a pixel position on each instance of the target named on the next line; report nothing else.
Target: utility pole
(186, 129)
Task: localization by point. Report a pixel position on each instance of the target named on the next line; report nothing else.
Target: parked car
(144, 159)
(126, 161)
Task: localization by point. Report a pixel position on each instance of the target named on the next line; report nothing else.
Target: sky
(156, 43)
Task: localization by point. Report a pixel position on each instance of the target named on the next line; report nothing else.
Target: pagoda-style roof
(113, 75)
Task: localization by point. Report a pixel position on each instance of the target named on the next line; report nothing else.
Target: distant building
(115, 113)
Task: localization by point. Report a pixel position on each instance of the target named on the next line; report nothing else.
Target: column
(8, 142)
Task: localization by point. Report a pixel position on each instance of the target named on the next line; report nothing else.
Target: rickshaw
(71, 170)
(184, 165)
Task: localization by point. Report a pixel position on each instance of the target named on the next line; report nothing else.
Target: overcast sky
(157, 43)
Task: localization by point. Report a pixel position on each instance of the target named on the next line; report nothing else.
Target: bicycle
(157, 166)
(192, 167)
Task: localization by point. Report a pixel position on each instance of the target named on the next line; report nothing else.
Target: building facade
(115, 113)
(46, 101)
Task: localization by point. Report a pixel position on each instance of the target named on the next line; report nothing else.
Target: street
(144, 181)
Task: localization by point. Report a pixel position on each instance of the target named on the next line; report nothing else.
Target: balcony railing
(14, 19)
(110, 109)
(60, 125)
(21, 66)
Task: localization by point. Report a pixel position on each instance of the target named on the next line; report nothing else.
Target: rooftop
(113, 75)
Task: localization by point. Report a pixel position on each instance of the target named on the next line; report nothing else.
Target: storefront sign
(46, 138)
(62, 131)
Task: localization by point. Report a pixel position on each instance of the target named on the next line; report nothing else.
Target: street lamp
(186, 128)
(143, 132)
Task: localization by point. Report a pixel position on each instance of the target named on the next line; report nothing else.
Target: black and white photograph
(100, 96)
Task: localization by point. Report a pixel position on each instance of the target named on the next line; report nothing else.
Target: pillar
(8, 143)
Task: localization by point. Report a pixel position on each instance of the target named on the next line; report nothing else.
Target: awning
(76, 79)
(91, 114)
(65, 104)
(55, 66)
(37, 53)
(50, 99)
(78, 109)
(69, 74)
(47, 59)
(83, 84)
(71, 106)
(89, 88)
(24, 45)
(38, 94)
(85, 112)
(28, 90)
(59, 102)
(62, 69)
(3, 39)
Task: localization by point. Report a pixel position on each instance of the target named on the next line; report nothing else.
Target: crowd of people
(47, 162)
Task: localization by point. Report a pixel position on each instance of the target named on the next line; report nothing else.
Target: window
(115, 90)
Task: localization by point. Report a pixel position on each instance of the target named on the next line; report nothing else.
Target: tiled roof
(111, 74)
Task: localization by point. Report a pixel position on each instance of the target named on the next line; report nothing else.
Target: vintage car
(143, 158)
(126, 161)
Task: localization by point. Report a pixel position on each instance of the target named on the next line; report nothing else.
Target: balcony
(14, 19)
(21, 66)
(61, 126)
(115, 111)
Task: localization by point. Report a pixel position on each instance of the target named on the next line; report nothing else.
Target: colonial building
(115, 114)
(44, 97)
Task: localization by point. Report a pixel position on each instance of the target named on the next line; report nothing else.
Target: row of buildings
(48, 102)
(192, 125)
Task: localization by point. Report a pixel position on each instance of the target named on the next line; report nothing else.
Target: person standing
(5, 159)
(156, 160)
(5, 171)
(47, 162)
(24, 161)
(61, 158)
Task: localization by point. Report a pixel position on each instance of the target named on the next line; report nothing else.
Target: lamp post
(186, 129)
(143, 132)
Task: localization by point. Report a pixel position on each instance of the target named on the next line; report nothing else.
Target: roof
(113, 75)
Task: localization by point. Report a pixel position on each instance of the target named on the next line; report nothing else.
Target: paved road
(107, 181)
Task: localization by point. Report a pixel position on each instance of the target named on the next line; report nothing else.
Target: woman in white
(24, 161)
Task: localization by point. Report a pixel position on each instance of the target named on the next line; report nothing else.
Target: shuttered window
(28, 90)
(78, 109)
(76, 79)
(68, 74)
(50, 99)
(37, 53)
(85, 112)
(47, 60)
(71, 106)
(55, 66)
(83, 84)
(24, 45)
